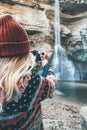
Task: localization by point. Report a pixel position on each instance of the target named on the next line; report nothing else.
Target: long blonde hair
(11, 69)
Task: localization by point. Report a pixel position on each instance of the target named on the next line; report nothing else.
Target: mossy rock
(78, 54)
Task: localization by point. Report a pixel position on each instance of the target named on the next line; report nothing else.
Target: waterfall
(62, 66)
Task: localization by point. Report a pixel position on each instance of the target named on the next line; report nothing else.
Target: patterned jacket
(23, 112)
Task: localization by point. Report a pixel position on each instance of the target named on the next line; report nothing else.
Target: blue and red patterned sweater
(23, 112)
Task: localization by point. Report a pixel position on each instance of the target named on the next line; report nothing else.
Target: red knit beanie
(13, 38)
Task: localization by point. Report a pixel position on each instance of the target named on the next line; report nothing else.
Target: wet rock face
(76, 43)
(78, 54)
(65, 36)
(79, 58)
(75, 22)
(81, 71)
(83, 34)
(73, 8)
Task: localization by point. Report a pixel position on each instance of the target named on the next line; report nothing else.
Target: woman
(21, 90)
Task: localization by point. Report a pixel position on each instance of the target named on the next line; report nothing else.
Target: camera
(38, 59)
(36, 53)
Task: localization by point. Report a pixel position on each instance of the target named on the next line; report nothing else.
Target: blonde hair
(11, 69)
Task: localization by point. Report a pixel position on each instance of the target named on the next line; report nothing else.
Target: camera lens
(43, 53)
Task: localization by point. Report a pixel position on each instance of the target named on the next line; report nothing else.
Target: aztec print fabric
(23, 112)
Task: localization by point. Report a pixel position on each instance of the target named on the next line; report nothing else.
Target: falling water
(63, 67)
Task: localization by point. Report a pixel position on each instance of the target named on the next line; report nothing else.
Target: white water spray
(62, 66)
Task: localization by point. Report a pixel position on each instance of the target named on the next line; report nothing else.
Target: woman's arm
(48, 79)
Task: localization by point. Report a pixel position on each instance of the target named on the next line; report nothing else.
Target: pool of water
(73, 91)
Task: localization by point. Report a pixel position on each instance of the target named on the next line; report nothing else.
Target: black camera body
(36, 53)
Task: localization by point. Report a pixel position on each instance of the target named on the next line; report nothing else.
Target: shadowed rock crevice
(73, 8)
(32, 32)
(11, 2)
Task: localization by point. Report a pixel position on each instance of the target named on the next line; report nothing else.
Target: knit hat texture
(13, 38)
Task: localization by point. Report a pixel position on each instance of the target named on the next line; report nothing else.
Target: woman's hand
(43, 55)
(44, 58)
